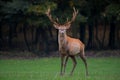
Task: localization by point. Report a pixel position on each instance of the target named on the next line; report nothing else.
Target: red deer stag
(68, 47)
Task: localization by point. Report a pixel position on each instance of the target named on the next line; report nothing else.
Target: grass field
(48, 69)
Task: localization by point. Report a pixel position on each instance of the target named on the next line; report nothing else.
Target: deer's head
(62, 27)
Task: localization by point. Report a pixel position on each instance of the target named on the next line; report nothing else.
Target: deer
(68, 47)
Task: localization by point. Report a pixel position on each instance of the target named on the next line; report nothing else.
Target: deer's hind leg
(74, 64)
(85, 62)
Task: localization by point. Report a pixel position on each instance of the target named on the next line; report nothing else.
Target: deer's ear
(56, 26)
(68, 26)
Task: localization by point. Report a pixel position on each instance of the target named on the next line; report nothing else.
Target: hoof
(87, 75)
(61, 74)
(71, 74)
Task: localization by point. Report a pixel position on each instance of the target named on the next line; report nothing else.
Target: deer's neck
(62, 40)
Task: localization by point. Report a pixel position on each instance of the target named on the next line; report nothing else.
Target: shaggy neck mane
(62, 40)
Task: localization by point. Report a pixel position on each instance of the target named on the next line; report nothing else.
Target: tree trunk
(32, 37)
(82, 32)
(1, 38)
(104, 32)
(118, 36)
(44, 38)
(25, 36)
(112, 33)
(97, 35)
(10, 36)
(0, 32)
(50, 32)
(36, 36)
(90, 33)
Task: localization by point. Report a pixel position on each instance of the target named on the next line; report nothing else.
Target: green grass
(48, 69)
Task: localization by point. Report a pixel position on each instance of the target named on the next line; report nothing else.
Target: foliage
(37, 13)
(15, 6)
(113, 10)
(42, 7)
(82, 18)
(15, 9)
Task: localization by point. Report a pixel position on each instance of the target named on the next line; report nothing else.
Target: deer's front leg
(65, 63)
(62, 64)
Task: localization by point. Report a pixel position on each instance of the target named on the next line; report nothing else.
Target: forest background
(25, 27)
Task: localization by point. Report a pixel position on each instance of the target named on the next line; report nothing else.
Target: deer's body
(68, 47)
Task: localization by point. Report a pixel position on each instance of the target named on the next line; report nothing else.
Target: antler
(73, 17)
(50, 16)
(55, 22)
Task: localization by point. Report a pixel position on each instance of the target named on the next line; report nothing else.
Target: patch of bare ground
(17, 55)
(31, 55)
(103, 53)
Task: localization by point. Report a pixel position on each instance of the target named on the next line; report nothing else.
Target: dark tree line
(24, 25)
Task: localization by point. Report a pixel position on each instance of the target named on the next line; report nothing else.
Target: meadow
(103, 68)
